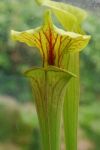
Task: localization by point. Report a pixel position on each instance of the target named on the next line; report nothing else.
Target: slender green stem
(71, 103)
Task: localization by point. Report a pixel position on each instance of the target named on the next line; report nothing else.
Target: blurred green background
(19, 128)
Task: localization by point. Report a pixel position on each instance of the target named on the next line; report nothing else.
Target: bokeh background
(19, 129)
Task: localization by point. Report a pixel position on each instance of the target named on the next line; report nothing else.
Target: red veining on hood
(51, 57)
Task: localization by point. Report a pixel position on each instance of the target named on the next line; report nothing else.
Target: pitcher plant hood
(51, 41)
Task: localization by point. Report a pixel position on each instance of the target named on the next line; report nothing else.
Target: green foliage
(17, 122)
(90, 83)
(90, 63)
(90, 122)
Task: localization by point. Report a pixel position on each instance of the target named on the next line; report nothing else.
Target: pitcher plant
(55, 85)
